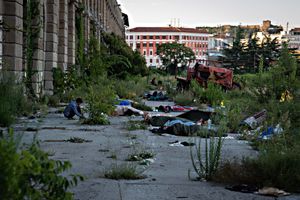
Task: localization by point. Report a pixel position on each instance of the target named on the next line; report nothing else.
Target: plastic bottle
(209, 124)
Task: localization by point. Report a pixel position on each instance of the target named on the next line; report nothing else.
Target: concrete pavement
(166, 178)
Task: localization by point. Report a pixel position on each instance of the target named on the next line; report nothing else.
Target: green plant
(32, 31)
(123, 171)
(212, 95)
(100, 100)
(30, 174)
(274, 166)
(186, 98)
(13, 101)
(130, 88)
(206, 166)
(136, 125)
(140, 156)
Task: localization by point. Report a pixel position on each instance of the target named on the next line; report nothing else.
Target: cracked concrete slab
(166, 178)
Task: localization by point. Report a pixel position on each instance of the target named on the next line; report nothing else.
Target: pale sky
(194, 13)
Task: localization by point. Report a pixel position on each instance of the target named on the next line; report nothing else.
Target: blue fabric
(268, 132)
(72, 110)
(171, 123)
(125, 103)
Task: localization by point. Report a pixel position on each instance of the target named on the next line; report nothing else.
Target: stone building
(56, 42)
(145, 40)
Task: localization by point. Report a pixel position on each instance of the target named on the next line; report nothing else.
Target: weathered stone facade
(56, 42)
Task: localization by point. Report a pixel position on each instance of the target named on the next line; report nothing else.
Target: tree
(235, 55)
(269, 50)
(174, 55)
(252, 54)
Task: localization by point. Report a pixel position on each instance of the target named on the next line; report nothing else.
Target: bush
(212, 95)
(30, 174)
(100, 101)
(274, 167)
(186, 98)
(130, 88)
(136, 125)
(12, 100)
(123, 171)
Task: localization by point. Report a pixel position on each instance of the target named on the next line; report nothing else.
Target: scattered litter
(181, 144)
(147, 161)
(270, 191)
(243, 188)
(140, 156)
(122, 110)
(176, 108)
(256, 119)
(270, 132)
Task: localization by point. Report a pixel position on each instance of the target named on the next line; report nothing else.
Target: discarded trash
(242, 188)
(256, 119)
(209, 124)
(147, 161)
(175, 108)
(270, 132)
(127, 110)
(270, 191)
(177, 143)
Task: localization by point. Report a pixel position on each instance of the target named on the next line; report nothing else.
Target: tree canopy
(174, 55)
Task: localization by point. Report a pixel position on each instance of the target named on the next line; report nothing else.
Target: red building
(145, 40)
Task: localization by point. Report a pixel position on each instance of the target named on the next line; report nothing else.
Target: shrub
(123, 171)
(212, 95)
(100, 101)
(30, 174)
(274, 167)
(136, 125)
(186, 98)
(12, 100)
(207, 167)
(130, 88)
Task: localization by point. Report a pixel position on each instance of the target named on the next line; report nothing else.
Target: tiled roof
(166, 29)
(296, 30)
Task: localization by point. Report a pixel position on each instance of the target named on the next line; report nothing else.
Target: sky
(192, 13)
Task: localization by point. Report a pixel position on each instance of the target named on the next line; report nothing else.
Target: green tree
(269, 51)
(174, 55)
(120, 58)
(252, 53)
(235, 55)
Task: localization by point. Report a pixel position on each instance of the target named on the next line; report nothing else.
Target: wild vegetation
(29, 173)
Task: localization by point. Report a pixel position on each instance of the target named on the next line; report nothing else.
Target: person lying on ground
(73, 109)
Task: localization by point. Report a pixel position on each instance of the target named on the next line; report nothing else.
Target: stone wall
(56, 43)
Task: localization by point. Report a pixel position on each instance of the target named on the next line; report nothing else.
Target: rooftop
(295, 30)
(166, 29)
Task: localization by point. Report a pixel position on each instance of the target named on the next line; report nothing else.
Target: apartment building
(294, 38)
(146, 39)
